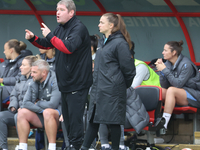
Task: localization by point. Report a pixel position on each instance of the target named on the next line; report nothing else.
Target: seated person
(9, 69)
(16, 98)
(179, 79)
(41, 105)
(49, 56)
(144, 76)
(94, 42)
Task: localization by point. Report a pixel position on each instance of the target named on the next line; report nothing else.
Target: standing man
(73, 65)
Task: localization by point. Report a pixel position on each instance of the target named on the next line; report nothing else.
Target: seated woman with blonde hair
(16, 98)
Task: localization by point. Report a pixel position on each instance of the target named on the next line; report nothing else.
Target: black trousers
(73, 106)
(93, 129)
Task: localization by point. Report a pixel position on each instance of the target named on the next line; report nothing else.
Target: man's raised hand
(45, 30)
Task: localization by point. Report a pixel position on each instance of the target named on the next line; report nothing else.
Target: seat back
(1, 60)
(6, 104)
(149, 95)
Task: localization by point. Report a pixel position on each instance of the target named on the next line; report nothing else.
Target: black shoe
(160, 121)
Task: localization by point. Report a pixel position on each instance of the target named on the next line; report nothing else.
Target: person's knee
(49, 114)
(22, 114)
(171, 90)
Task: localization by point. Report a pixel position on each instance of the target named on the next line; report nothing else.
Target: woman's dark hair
(94, 41)
(17, 45)
(119, 25)
(177, 46)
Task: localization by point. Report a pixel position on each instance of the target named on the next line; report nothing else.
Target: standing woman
(179, 79)
(114, 71)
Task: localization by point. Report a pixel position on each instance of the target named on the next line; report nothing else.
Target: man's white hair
(41, 64)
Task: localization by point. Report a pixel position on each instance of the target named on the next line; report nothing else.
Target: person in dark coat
(136, 114)
(114, 71)
(179, 79)
(73, 64)
(15, 52)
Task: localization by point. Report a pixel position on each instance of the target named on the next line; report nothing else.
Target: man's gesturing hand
(28, 34)
(45, 30)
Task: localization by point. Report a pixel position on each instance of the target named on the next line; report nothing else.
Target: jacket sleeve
(163, 80)
(178, 80)
(10, 81)
(41, 42)
(54, 100)
(69, 44)
(13, 99)
(2, 68)
(126, 63)
(142, 72)
(29, 101)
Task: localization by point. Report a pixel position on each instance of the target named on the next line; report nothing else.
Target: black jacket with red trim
(73, 54)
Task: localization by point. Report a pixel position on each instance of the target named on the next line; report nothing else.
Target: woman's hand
(160, 65)
(159, 61)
